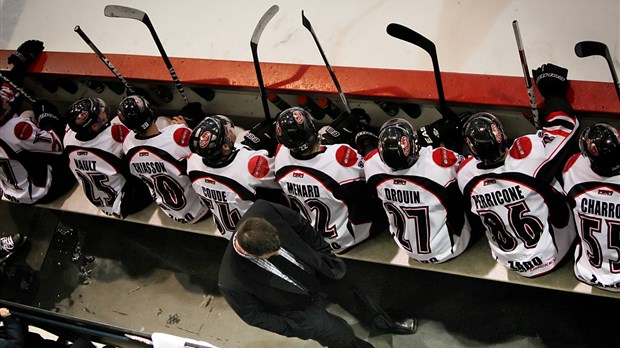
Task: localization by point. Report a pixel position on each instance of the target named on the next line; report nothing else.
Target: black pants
(315, 323)
(62, 181)
(136, 196)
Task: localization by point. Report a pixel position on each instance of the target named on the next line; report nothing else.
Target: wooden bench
(475, 262)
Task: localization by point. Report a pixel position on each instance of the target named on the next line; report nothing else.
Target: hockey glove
(442, 132)
(366, 142)
(262, 137)
(344, 128)
(25, 54)
(551, 80)
(47, 117)
(192, 112)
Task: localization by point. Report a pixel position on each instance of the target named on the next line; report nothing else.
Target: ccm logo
(605, 192)
(399, 182)
(298, 175)
(143, 153)
(82, 153)
(209, 181)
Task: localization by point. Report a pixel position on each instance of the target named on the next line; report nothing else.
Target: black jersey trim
(239, 189)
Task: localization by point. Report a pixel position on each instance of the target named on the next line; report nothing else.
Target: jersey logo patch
(119, 133)
(444, 158)
(346, 156)
(521, 148)
(181, 136)
(23, 130)
(258, 166)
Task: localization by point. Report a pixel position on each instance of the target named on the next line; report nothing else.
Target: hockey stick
(128, 12)
(526, 74)
(401, 32)
(105, 60)
(306, 23)
(19, 89)
(593, 48)
(258, 31)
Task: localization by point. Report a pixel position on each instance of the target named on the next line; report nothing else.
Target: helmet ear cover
(136, 113)
(295, 130)
(83, 113)
(209, 136)
(398, 144)
(600, 143)
(485, 138)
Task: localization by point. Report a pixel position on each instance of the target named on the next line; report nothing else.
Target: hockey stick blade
(103, 58)
(19, 89)
(117, 11)
(123, 12)
(258, 31)
(403, 33)
(306, 23)
(592, 48)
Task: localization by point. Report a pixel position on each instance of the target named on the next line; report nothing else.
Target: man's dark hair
(258, 237)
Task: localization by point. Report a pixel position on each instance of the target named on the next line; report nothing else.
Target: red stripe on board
(414, 85)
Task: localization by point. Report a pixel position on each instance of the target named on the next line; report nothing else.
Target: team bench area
(230, 88)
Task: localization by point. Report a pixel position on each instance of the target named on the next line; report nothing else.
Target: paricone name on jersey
(499, 197)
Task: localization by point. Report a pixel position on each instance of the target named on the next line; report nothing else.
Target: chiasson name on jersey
(499, 197)
(149, 167)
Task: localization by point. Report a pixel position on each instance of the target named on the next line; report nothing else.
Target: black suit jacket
(256, 295)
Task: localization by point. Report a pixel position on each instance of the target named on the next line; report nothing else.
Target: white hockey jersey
(97, 165)
(597, 216)
(24, 177)
(528, 223)
(160, 161)
(423, 204)
(329, 189)
(230, 190)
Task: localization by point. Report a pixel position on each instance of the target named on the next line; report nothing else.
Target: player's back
(160, 162)
(97, 164)
(24, 176)
(329, 189)
(597, 217)
(423, 204)
(231, 189)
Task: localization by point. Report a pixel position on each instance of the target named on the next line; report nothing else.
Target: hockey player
(229, 178)
(94, 148)
(31, 165)
(418, 188)
(325, 182)
(513, 187)
(592, 181)
(159, 159)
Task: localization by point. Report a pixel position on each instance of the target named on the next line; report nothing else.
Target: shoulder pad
(444, 157)
(23, 130)
(570, 162)
(521, 148)
(119, 132)
(346, 156)
(258, 166)
(181, 136)
(464, 163)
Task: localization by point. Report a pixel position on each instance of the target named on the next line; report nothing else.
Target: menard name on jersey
(306, 191)
(149, 167)
(499, 197)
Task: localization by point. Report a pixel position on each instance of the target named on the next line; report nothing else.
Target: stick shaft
(258, 31)
(526, 73)
(19, 89)
(103, 58)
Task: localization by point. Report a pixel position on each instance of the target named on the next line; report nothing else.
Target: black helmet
(295, 129)
(398, 144)
(485, 138)
(135, 113)
(209, 135)
(600, 143)
(83, 113)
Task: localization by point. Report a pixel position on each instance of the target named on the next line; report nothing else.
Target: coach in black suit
(277, 274)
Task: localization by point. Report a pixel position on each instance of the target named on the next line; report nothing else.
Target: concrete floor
(158, 280)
